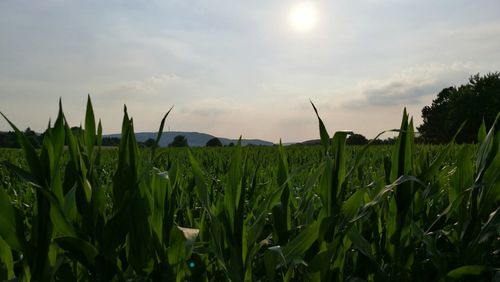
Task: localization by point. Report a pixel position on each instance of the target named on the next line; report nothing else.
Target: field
(299, 213)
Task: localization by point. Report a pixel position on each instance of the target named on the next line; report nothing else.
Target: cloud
(390, 93)
(209, 108)
(168, 87)
(410, 86)
(145, 86)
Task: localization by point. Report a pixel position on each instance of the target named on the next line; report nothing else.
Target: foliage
(150, 143)
(111, 141)
(214, 142)
(9, 139)
(302, 213)
(356, 139)
(474, 102)
(179, 141)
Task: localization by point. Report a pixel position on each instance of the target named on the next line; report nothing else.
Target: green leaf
(115, 230)
(325, 138)
(8, 223)
(80, 249)
(201, 186)
(99, 133)
(339, 166)
(90, 133)
(466, 270)
(354, 203)
(360, 242)
(364, 150)
(384, 193)
(483, 154)
(177, 247)
(70, 204)
(160, 132)
(27, 176)
(301, 243)
(481, 134)
(6, 261)
(232, 189)
(58, 218)
(433, 169)
(29, 152)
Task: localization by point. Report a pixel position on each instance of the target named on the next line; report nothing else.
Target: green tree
(179, 141)
(473, 102)
(214, 142)
(150, 143)
(356, 139)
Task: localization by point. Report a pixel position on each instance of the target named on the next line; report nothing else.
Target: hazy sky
(239, 67)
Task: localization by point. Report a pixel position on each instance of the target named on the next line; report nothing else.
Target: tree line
(470, 104)
(9, 140)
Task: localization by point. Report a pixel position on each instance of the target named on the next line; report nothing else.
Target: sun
(303, 16)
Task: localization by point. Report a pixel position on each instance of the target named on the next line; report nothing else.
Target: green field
(299, 213)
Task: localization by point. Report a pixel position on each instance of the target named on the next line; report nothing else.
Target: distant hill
(195, 139)
(311, 142)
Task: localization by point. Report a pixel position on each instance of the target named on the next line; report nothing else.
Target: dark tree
(473, 102)
(214, 142)
(179, 141)
(111, 141)
(436, 126)
(32, 137)
(8, 139)
(150, 143)
(76, 130)
(356, 139)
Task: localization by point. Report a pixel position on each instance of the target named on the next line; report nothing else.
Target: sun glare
(303, 16)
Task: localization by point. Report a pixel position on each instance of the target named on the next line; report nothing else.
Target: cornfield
(73, 211)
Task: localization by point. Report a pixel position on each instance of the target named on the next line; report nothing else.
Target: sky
(234, 68)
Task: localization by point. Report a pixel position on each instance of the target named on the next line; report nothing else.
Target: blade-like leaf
(8, 223)
(467, 270)
(90, 130)
(300, 244)
(325, 138)
(80, 249)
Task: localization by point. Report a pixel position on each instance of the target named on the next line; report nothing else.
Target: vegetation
(356, 139)
(9, 139)
(179, 141)
(150, 143)
(321, 213)
(475, 102)
(214, 142)
(110, 141)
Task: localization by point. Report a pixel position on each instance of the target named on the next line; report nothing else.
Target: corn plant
(333, 212)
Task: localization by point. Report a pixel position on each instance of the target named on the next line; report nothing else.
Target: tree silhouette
(179, 141)
(473, 102)
(150, 143)
(8, 139)
(356, 139)
(32, 137)
(214, 142)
